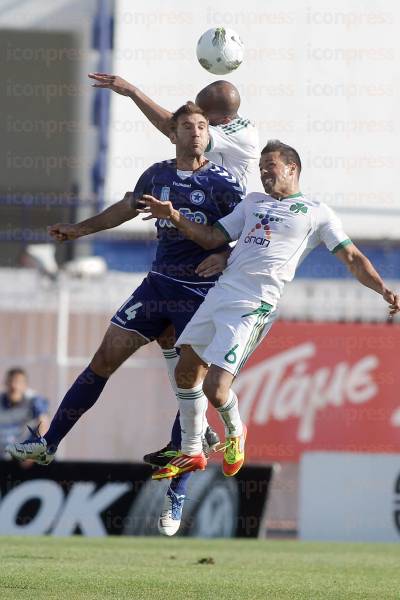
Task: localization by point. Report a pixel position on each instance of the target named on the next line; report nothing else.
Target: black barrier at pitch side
(98, 499)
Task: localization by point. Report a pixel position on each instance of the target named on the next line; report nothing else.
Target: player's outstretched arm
(207, 236)
(156, 114)
(114, 215)
(364, 271)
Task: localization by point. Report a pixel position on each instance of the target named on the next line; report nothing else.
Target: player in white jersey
(233, 139)
(275, 231)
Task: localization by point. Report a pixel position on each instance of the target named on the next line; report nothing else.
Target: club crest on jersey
(298, 208)
(197, 197)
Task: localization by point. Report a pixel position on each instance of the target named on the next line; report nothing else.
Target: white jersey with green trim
(235, 147)
(274, 236)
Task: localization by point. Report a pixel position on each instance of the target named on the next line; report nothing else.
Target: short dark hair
(190, 108)
(288, 154)
(15, 371)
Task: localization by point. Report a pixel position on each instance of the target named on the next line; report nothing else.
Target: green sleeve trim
(341, 245)
(208, 146)
(224, 231)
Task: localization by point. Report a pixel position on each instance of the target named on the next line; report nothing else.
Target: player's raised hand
(112, 82)
(62, 232)
(156, 209)
(393, 300)
(212, 265)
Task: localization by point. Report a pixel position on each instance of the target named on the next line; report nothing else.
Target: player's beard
(195, 153)
(197, 150)
(190, 152)
(268, 184)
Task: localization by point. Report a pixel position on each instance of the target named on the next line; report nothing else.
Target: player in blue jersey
(172, 291)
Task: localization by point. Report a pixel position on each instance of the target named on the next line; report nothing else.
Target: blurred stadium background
(326, 380)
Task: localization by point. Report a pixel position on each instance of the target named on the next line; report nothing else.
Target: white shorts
(225, 331)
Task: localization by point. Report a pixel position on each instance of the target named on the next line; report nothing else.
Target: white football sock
(172, 358)
(192, 406)
(229, 413)
(205, 422)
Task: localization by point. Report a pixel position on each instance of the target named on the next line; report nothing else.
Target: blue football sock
(80, 397)
(176, 433)
(179, 484)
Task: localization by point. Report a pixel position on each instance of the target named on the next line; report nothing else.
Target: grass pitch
(185, 569)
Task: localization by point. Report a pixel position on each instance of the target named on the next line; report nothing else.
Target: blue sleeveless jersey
(207, 195)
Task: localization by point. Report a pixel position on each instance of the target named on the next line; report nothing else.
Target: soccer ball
(220, 50)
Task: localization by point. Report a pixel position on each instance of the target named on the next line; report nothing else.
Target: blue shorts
(158, 302)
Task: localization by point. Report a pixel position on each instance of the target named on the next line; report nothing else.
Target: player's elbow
(351, 256)
(208, 244)
(356, 260)
(357, 264)
(208, 239)
(214, 242)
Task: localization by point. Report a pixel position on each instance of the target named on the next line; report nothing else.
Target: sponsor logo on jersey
(180, 184)
(117, 318)
(197, 216)
(254, 239)
(261, 230)
(197, 197)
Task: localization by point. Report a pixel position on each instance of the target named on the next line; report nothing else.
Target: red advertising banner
(314, 386)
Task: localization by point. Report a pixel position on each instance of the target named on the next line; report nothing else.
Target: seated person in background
(20, 406)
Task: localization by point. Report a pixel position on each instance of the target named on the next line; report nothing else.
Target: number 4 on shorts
(132, 310)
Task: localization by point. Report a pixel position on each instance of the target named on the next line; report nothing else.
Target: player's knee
(214, 390)
(183, 375)
(167, 339)
(188, 371)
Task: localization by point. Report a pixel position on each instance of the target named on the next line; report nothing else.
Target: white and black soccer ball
(220, 50)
